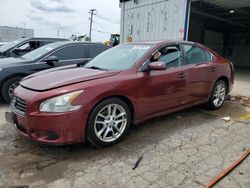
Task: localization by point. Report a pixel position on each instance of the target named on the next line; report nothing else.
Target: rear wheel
(9, 87)
(109, 122)
(218, 95)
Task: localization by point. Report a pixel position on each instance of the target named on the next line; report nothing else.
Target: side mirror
(157, 66)
(51, 60)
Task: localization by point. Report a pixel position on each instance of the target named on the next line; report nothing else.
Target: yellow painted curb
(245, 117)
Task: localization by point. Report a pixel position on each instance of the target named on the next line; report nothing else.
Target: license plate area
(10, 117)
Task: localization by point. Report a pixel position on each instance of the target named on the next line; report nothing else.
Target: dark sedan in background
(12, 70)
(24, 45)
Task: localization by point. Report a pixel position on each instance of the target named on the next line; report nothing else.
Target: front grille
(19, 105)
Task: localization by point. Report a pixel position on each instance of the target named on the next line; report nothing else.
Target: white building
(12, 33)
(223, 25)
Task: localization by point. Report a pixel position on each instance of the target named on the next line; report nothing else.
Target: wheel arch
(12, 76)
(226, 80)
(121, 97)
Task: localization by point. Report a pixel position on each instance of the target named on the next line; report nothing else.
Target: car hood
(60, 78)
(11, 61)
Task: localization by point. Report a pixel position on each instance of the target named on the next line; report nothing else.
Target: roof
(46, 38)
(161, 41)
(76, 42)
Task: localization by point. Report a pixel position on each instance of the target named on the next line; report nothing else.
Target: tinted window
(194, 54)
(39, 52)
(208, 55)
(71, 52)
(95, 50)
(171, 55)
(11, 44)
(45, 42)
(29, 46)
(25, 46)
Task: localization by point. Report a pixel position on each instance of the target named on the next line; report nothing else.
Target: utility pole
(92, 13)
(58, 33)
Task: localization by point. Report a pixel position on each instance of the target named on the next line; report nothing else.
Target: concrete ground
(242, 82)
(184, 149)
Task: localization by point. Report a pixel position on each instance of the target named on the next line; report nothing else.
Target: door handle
(182, 75)
(213, 69)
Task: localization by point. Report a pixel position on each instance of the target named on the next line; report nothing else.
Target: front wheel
(109, 122)
(218, 95)
(9, 87)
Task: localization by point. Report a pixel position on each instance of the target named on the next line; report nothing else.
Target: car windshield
(11, 44)
(120, 57)
(40, 52)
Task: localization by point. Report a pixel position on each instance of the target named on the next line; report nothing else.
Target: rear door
(94, 50)
(75, 54)
(67, 55)
(201, 71)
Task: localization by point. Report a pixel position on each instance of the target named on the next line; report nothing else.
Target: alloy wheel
(219, 94)
(110, 122)
(12, 88)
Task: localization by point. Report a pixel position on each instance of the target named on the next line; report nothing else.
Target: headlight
(61, 103)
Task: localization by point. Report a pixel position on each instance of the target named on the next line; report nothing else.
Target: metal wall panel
(153, 20)
(12, 33)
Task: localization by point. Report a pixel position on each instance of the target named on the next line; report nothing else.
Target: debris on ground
(137, 163)
(245, 101)
(226, 119)
(178, 117)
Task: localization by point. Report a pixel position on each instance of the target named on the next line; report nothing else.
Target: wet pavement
(184, 149)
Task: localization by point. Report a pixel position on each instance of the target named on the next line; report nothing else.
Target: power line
(105, 18)
(105, 27)
(67, 26)
(105, 32)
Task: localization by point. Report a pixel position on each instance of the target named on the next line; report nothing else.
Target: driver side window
(170, 55)
(25, 46)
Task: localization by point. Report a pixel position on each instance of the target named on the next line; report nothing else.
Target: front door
(163, 90)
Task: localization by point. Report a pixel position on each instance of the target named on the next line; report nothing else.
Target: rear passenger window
(95, 50)
(194, 54)
(71, 52)
(208, 56)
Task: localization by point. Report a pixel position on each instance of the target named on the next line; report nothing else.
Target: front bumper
(49, 128)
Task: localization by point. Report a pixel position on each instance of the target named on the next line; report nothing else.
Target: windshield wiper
(97, 68)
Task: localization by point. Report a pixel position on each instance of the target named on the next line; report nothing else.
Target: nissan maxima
(121, 87)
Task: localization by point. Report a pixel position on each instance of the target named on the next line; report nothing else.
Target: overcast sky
(67, 16)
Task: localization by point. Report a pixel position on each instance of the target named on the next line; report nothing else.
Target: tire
(104, 127)
(218, 95)
(8, 88)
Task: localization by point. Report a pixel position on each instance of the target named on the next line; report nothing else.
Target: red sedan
(121, 87)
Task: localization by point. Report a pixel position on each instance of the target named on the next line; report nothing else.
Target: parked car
(12, 70)
(125, 85)
(24, 45)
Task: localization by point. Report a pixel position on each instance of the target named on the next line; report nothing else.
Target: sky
(47, 17)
